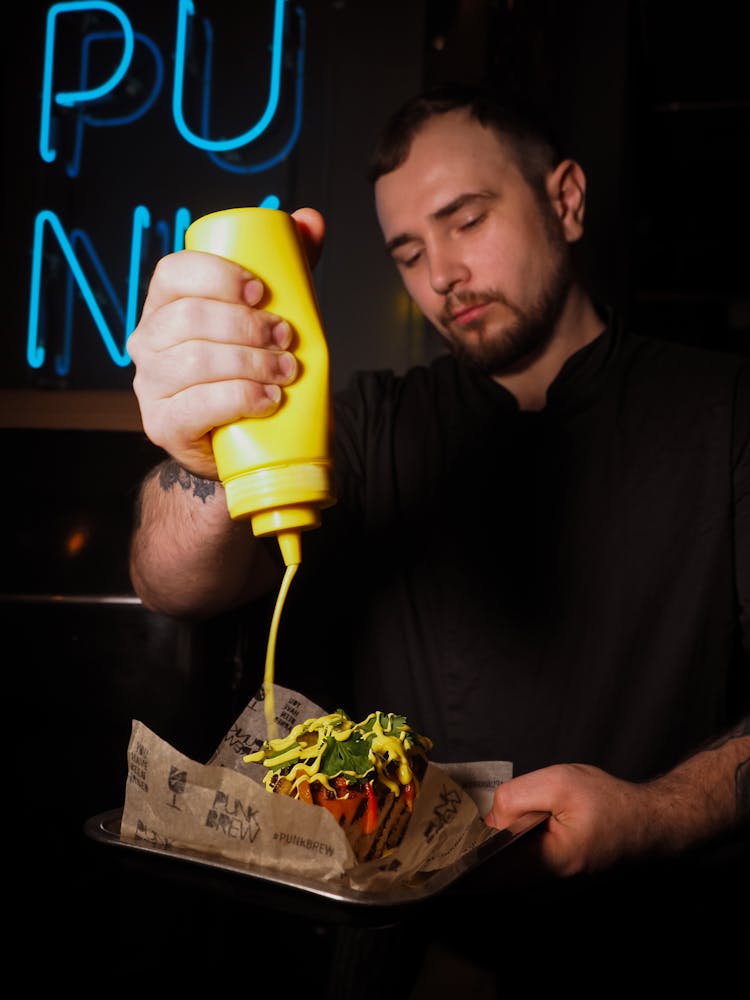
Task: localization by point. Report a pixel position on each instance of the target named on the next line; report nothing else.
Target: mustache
(465, 300)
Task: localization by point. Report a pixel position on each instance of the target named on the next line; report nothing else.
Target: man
(541, 546)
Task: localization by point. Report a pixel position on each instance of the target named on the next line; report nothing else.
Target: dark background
(653, 98)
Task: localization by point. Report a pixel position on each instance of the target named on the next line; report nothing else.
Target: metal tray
(105, 829)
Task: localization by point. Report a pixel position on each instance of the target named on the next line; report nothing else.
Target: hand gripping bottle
(276, 470)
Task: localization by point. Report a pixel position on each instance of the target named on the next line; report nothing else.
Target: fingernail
(273, 392)
(288, 365)
(253, 291)
(282, 334)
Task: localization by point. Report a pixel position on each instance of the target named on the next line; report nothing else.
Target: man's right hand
(205, 351)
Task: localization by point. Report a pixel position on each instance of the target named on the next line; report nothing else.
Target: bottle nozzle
(290, 544)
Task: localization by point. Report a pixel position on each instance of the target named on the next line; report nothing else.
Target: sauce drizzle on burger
(366, 774)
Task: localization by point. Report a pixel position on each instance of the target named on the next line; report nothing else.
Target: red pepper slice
(409, 791)
(370, 818)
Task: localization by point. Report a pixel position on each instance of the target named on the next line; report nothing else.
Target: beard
(514, 345)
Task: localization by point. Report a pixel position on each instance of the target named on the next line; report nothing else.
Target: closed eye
(408, 260)
(474, 221)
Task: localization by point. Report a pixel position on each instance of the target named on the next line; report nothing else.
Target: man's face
(482, 255)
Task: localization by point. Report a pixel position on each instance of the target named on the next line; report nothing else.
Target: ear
(566, 187)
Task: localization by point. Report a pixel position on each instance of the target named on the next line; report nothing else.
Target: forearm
(705, 798)
(188, 558)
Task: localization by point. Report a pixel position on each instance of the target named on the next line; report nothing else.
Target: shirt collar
(579, 378)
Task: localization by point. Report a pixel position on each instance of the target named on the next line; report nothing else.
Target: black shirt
(565, 585)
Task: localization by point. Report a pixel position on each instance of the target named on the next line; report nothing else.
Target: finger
(514, 798)
(194, 274)
(311, 226)
(198, 409)
(200, 319)
(196, 362)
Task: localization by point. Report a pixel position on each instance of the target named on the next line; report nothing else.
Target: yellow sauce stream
(268, 676)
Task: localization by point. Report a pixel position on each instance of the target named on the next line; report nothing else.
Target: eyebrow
(442, 213)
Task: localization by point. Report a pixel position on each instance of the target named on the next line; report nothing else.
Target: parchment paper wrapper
(223, 808)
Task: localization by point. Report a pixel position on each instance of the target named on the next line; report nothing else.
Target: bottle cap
(299, 488)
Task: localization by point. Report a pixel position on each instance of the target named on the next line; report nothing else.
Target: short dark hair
(529, 135)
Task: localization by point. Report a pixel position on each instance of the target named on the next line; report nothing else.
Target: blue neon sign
(85, 96)
(222, 145)
(102, 99)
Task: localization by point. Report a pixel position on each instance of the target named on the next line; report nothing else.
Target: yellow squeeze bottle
(276, 470)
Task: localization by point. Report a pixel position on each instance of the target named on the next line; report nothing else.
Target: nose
(446, 269)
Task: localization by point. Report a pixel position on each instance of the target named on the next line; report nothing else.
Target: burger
(366, 774)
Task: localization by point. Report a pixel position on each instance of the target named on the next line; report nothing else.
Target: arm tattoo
(171, 473)
(742, 788)
(742, 771)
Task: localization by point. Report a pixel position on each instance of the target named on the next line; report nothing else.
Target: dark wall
(689, 127)
(87, 657)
